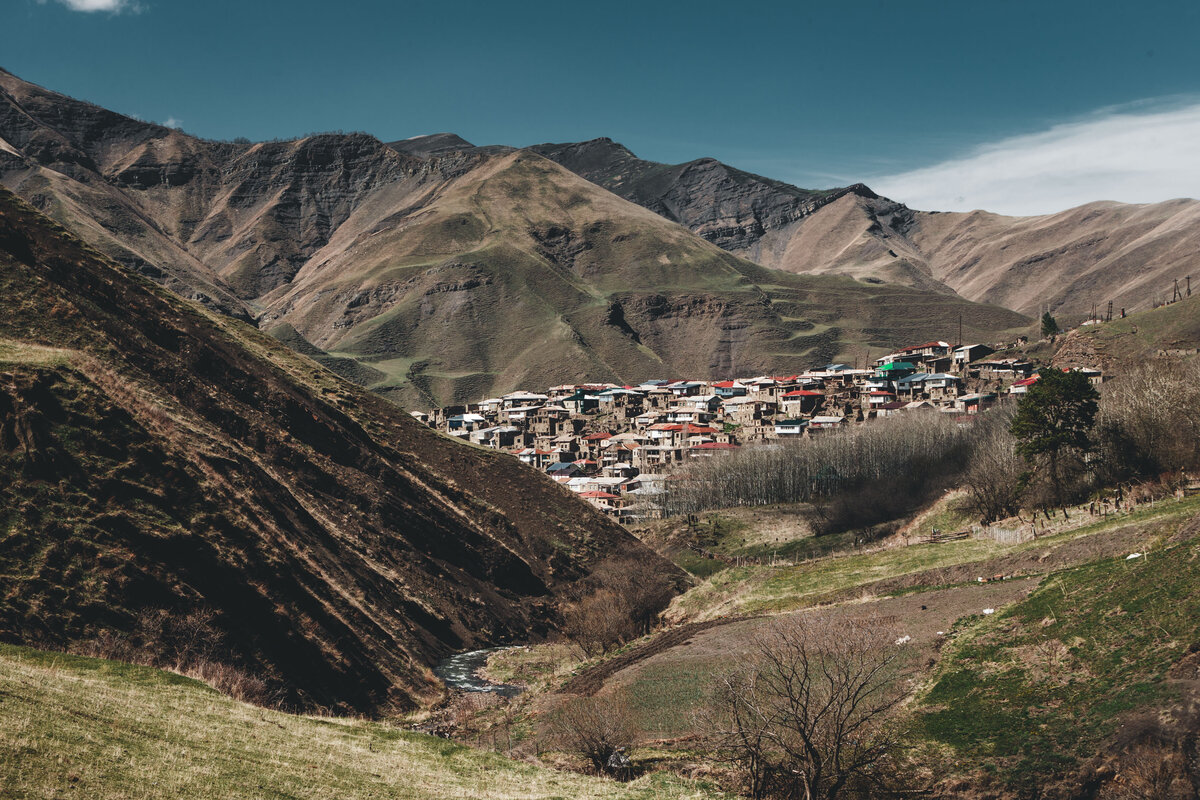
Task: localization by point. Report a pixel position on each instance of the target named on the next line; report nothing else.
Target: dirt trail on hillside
(1053, 557)
(591, 680)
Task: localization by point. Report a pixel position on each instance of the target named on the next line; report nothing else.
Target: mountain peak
(430, 144)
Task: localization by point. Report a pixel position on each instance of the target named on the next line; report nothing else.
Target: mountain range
(435, 271)
(1064, 262)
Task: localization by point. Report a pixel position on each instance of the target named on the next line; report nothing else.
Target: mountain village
(615, 446)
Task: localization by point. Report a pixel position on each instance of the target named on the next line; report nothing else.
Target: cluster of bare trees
(810, 712)
(1149, 420)
(620, 601)
(1146, 427)
(867, 472)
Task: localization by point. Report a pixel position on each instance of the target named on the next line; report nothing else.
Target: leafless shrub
(594, 728)
(233, 681)
(1157, 757)
(810, 713)
(180, 640)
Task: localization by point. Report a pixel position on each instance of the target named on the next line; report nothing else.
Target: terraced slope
(1129, 254)
(1169, 330)
(181, 486)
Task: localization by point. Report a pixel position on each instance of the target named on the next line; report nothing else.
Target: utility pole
(1108, 317)
(960, 341)
(1176, 295)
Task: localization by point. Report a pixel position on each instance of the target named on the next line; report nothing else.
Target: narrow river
(461, 671)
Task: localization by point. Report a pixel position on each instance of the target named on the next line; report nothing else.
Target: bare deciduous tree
(810, 713)
(620, 601)
(595, 728)
(597, 622)
(993, 472)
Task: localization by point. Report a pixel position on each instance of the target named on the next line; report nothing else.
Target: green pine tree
(1053, 427)
(1049, 326)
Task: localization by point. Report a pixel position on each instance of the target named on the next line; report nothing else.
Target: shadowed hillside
(158, 463)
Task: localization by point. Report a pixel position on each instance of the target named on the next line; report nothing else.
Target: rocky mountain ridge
(450, 270)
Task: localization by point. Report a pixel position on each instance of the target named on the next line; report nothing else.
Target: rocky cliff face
(730, 208)
(222, 222)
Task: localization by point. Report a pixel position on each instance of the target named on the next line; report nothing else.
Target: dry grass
(536, 667)
(13, 352)
(81, 727)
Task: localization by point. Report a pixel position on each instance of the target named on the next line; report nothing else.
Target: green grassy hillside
(1042, 688)
(82, 727)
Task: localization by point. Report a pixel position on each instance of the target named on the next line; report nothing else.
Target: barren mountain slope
(1129, 254)
(521, 273)
(56, 152)
(760, 219)
(156, 460)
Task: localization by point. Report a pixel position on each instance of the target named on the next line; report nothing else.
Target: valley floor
(1030, 676)
(1028, 656)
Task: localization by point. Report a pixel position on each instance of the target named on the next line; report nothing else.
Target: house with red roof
(1022, 386)
(801, 402)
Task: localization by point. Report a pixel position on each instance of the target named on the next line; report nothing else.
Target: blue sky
(940, 104)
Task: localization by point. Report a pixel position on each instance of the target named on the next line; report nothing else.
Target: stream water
(461, 671)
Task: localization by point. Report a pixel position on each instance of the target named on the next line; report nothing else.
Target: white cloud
(112, 6)
(1134, 155)
(173, 123)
